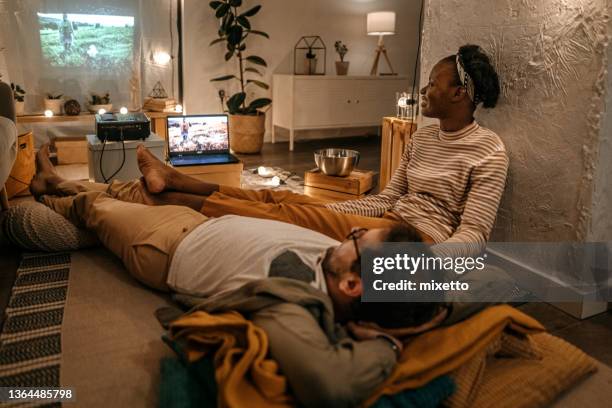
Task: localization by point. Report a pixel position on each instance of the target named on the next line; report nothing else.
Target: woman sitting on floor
(448, 185)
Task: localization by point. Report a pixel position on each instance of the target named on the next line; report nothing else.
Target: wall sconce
(161, 58)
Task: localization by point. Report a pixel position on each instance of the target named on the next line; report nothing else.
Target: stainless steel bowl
(336, 162)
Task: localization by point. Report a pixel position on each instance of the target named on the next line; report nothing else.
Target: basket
(247, 133)
(18, 183)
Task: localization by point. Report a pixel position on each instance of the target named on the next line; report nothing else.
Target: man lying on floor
(174, 248)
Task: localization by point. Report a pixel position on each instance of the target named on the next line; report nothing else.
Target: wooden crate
(223, 174)
(396, 134)
(71, 150)
(357, 183)
(24, 168)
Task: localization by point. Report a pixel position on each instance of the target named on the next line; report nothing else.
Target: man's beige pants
(143, 237)
(284, 206)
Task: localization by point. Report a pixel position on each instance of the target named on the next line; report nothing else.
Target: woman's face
(437, 95)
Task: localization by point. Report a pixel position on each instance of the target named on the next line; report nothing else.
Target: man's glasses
(355, 235)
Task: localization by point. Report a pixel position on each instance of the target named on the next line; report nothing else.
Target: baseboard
(579, 304)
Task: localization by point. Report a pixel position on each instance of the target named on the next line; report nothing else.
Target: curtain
(74, 57)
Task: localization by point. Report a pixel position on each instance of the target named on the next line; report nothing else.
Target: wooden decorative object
(18, 183)
(396, 135)
(355, 185)
(72, 107)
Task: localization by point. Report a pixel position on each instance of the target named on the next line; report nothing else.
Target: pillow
(35, 227)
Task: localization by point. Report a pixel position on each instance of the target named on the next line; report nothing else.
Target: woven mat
(30, 343)
(251, 180)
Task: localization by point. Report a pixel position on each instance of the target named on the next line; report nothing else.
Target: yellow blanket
(499, 357)
(245, 377)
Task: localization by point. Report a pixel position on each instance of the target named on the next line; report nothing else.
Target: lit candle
(49, 113)
(265, 171)
(123, 110)
(102, 111)
(178, 108)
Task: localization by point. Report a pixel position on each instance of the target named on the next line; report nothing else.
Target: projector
(117, 127)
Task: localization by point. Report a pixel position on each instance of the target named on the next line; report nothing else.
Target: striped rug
(30, 343)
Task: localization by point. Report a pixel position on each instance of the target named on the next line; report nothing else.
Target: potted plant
(98, 102)
(341, 66)
(54, 103)
(246, 121)
(311, 62)
(19, 96)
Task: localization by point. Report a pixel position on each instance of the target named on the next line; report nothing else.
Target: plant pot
(96, 108)
(247, 133)
(54, 105)
(19, 108)
(342, 67)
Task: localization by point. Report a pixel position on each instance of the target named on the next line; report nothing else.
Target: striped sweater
(448, 185)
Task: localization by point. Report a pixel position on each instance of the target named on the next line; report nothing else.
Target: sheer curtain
(23, 59)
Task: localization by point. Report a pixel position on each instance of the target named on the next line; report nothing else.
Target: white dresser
(326, 102)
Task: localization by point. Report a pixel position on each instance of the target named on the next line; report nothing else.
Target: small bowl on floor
(336, 162)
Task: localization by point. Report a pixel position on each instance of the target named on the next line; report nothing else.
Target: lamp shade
(381, 23)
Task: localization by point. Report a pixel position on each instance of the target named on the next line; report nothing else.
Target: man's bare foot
(46, 179)
(154, 171)
(43, 162)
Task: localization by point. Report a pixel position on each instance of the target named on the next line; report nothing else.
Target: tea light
(49, 113)
(102, 111)
(266, 172)
(123, 110)
(178, 108)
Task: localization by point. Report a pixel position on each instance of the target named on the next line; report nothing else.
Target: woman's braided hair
(478, 66)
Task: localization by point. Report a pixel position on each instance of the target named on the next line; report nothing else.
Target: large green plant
(234, 30)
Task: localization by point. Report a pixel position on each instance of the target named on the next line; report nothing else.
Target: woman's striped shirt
(448, 185)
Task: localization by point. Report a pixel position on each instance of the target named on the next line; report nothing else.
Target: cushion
(35, 227)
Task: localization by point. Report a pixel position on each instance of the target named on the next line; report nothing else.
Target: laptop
(195, 140)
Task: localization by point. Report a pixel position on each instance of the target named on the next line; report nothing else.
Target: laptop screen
(197, 134)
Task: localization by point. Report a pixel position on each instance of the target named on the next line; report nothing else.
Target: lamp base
(380, 49)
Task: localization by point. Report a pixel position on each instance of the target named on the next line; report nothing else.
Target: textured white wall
(286, 21)
(601, 220)
(552, 64)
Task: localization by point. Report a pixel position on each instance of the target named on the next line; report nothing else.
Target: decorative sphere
(72, 107)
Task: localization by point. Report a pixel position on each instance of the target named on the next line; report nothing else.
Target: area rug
(251, 180)
(30, 343)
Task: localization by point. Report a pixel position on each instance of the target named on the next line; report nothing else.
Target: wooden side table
(224, 174)
(396, 135)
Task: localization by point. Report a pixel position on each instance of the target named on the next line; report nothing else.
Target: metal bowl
(336, 162)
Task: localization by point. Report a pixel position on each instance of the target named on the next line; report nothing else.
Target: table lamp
(381, 23)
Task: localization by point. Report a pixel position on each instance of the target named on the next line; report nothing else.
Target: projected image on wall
(77, 40)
